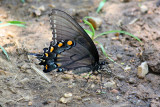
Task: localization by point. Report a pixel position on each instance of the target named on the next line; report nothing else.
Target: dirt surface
(21, 86)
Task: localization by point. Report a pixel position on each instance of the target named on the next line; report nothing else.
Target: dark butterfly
(71, 47)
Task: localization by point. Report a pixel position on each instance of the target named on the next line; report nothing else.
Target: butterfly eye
(51, 49)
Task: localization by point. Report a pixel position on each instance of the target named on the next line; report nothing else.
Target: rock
(30, 103)
(37, 13)
(127, 68)
(26, 98)
(65, 100)
(119, 56)
(132, 80)
(96, 22)
(142, 70)
(143, 9)
(42, 8)
(121, 77)
(114, 91)
(25, 80)
(67, 77)
(93, 85)
(86, 99)
(151, 54)
(78, 98)
(11, 34)
(110, 84)
(52, 5)
(67, 95)
(111, 65)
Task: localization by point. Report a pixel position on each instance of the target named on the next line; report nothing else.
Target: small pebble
(114, 91)
(126, 49)
(52, 5)
(98, 91)
(25, 80)
(11, 34)
(96, 22)
(132, 80)
(111, 65)
(93, 85)
(119, 56)
(121, 77)
(68, 95)
(64, 100)
(142, 70)
(78, 97)
(30, 103)
(144, 9)
(67, 77)
(127, 68)
(115, 38)
(41, 8)
(86, 99)
(37, 12)
(111, 84)
(26, 98)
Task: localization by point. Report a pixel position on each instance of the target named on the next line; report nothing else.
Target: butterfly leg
(88, 79)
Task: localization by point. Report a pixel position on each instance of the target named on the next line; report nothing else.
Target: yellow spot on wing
(59, 64)
(60, 44)
(52, 48)
(58, 55)
(69, 42)
(46, 67)
(46, 54)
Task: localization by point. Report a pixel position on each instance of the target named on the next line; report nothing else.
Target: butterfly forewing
(64, 27)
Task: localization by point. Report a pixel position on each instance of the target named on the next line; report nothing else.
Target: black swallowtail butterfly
(71, 47)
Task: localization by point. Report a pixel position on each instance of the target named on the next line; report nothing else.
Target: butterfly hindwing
(65, 27)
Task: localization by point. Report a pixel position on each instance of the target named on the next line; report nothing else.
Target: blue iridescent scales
(52, 54)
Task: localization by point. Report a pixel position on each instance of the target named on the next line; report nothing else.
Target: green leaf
(20, 25)
(7, 24)
(101, 4)
(89, 32)
(16, 22)
(90, 25)
(23, 1)
(4, 51)
(104, 52)
(118, 31)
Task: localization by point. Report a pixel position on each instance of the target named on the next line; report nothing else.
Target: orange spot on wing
(58, 64)
(69, 42)
(60, 44)
(52, 48)
(58, 55)
(46, 67)
(46, 54)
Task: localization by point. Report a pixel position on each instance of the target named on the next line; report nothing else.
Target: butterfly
(71, 47)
